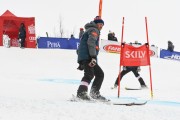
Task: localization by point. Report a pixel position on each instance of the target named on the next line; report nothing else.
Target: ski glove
(124, 68)
(138, 69)
(92, 63)
(81, 67)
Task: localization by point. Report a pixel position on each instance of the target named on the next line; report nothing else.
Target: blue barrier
(57, 43)
(166, 54)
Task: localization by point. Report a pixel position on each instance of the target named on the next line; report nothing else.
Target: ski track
(125, 99)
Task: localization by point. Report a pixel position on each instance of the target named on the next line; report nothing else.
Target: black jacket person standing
(170, 46)
(22, 35)
(87, 59)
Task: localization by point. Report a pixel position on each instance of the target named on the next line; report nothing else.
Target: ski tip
(127, 88)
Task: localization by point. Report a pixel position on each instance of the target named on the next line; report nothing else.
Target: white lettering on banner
(177, 57)
(32, 38)
(112, 48)
(135, 54)
(77, 45)
(31, 29)
(53, 45)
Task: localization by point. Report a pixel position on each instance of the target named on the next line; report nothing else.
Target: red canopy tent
(9, 25)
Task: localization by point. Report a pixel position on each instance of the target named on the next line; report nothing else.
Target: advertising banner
(114, 47)
(57, 43)
(134, 56)
(110, 46)
(166, 54)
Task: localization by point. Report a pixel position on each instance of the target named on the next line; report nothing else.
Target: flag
(134, 56)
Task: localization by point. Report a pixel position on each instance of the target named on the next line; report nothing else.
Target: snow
(36, 84)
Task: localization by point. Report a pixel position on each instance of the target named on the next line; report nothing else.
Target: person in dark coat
(170, 46)
(87, 58)
(112, 37)
(72, 36)
(22, 35)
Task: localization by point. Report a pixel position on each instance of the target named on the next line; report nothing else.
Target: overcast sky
(162, 15)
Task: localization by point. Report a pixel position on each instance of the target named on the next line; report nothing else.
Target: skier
(135, 70)
(87, 59)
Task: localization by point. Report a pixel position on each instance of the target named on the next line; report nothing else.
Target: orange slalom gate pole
(100, 8)
(151, 88)
(119, 76)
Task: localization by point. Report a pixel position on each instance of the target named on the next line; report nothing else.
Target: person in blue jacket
(87, 59)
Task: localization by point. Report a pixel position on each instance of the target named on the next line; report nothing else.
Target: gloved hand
(122, 43)
(81, 67)
(138, 69)
(146, 44)
(124, 68)
(93, 62)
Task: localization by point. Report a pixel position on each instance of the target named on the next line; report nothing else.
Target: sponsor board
(57, 43)
(166, 54)
(114, 47)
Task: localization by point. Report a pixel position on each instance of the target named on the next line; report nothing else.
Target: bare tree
(61, 29)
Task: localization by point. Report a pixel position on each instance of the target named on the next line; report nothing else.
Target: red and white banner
(134, 56)
(110, 46)
(114, 47)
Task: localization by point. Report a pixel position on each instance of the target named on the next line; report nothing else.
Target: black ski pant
(22, 42)
(124, 72)
(89, 73)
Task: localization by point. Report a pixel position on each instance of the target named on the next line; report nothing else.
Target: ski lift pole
(151, 88)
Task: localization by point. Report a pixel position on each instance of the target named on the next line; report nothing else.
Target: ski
(126, 88)
(107, 102)
(131, 103)
(76, 99)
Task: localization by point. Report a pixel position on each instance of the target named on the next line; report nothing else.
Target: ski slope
(36, 84)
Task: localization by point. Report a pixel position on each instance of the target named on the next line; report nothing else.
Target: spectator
(47, 34)
(114, 37)
(72, 36)
(111, 36)
(137, 43)
(170, 46)
(81, 33)
(22, 35)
